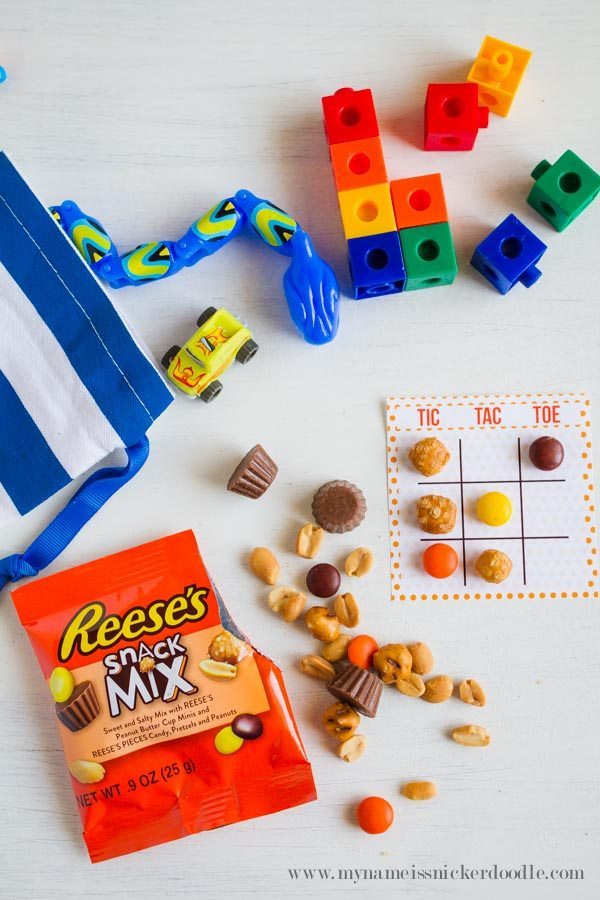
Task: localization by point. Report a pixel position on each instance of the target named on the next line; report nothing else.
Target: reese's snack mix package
(171, 722)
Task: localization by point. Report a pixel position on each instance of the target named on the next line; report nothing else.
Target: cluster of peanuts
(402, 665)
(323, 622)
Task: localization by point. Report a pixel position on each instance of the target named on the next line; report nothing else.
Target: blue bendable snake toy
(310, 286)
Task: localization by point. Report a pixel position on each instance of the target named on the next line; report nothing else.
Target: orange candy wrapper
(171, 722)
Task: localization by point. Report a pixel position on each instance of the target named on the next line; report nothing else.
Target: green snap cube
(561, 192)
(429, 256)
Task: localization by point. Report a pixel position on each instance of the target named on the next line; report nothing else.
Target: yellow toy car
(196, 367)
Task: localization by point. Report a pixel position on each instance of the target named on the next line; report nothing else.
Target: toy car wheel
(212, 391)
(208, 312)
(170, 356)
(245, 353)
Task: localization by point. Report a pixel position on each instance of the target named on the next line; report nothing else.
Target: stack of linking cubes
(374, 252)
(398, 234)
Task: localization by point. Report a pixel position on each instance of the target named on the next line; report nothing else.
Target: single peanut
(336, 650)
(359, 562)
(471, 736)
(422, 658)
(293, 607)
(86, 772)
(317, 667)
(309, 541)
(322, 624)
(347, 610)
(411, 684)
(288, 602)
(353, 748)
(419, 790)
(471, 692)
(341, 720)
(217, 670)
(438, 689)
(264, 565)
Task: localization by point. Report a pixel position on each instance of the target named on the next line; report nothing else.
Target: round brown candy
(247, 726)
(339, 506)
(546, 453)
(323, 580)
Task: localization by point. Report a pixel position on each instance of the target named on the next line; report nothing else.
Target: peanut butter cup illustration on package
(80, 709)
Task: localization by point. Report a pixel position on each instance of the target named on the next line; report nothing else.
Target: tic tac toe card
(551, 535)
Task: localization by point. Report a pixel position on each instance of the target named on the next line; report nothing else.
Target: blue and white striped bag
(74, 383)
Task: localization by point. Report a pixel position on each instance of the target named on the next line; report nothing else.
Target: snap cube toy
(374, 252)
(509, 255)
(398, 235)
(429, 256)
(366, 211)
(497, 72)
(376, 265)
(358, 163)
(418, 201)
(453, 116)
(349, 115)
(562, 191)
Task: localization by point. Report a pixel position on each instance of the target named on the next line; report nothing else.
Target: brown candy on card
(80, 709)
(339, 506)
(254, 474)
(359, 688)
(546, 453)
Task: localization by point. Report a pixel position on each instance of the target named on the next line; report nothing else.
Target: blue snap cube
(509, 254)
(376, 265)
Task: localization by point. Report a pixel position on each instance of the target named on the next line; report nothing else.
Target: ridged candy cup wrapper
(339, 506)
(358, 687)
(132, 629)
(254, 474)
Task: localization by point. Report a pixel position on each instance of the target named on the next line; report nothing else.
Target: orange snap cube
(358, 163)
(419, 201)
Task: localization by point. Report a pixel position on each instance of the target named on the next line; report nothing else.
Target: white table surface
(148, 113)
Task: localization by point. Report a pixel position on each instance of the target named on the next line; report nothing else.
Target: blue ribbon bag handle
(84, 504)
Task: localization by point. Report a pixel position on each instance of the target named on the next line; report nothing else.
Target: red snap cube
(453, 116)
(350, 115)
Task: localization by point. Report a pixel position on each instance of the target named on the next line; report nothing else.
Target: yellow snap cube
(498, 71)
(367, 210)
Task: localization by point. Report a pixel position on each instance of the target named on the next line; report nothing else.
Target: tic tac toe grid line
(522, 537)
